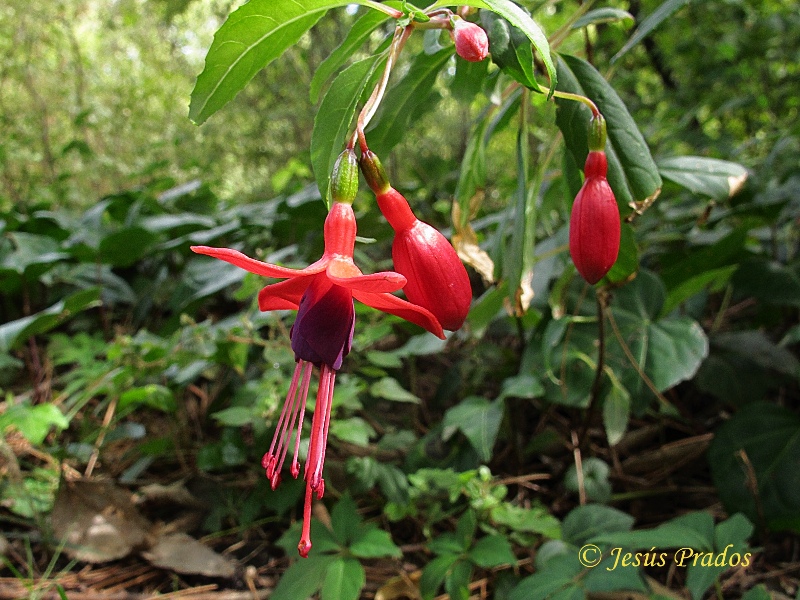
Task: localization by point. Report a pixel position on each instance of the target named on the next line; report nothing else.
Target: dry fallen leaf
(97, 521)
(183, 554)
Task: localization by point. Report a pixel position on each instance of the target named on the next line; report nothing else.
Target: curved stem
(395, 14)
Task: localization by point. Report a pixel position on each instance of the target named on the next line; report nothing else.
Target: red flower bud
(437, 280)
(594, 227)
(472, 43)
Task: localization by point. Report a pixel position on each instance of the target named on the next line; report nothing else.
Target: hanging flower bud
(344, 178)
(471, 41)
(594, 227)
(437, 280)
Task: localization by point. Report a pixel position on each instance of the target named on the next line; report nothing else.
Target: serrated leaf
(658, 16)
(252, 37)
(479, 420)
(344, 580)
(519, 18)
(603, 15)
(406, 101)
(359, 33)
(456, 582)
(632, 173)
(718, 179)
(332, 121)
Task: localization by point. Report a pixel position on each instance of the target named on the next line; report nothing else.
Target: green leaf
(253, 36)
(375, 543)
(30, 250)
(663, 12)
(16, 332)
(532, 520)
(668, 535)
(627, 262)
(303, 578)
(332, 121)
(668, 349)
(434, 573)
(510, 49)
(33, 422)
(616, 412)
(759, 592)
(388, 388)
(756, 347)
(354, 430)
(406, 101)
(126, 246)
(345, 520)
(492, 551)
(521, 386)
(518, 18)
(234, 416)
(479, 420)
(466, 527)
(152, 395)
(595, 479)
(632, 173)
(344, 580)
(456, 582)
(586, 522)
(718, 179)
(358, 33)
(603, 15)
(767, 280)
(756, 452)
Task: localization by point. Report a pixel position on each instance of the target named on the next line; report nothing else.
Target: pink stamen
(294, 405)
(317, 442)
(295, 467)
(305, 537)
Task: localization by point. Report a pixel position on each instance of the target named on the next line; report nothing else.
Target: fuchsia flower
(321, 336)
(436, 276)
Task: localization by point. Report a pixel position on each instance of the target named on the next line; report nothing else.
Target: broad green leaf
(446, 543)
(332, 121)
(595, 479)
(344, 580)
(353, 429)
(730, 546)
(510, 49)
(603, 15)
(492, 551)
(519, 18)
(359, 33)
(627, 262)
(14, 333)
(434, 573)
(767, 280)
(669, 349)
(152, 395)
(758, 449)
(456, 582)
(466, 527)
(303, 578)
(631, 171)
(555, 582)
(697, 262)
(252, 37)
(718, 179)
(389, 389)
(756, 347)
(586, 522)
(479, 420)
(533, 520)
(405, 101)
(658, 16)
(33, 422)
(345, 520)
(616, 411)
(30, 249)
(375, 543)
(469, 79)
(668, 535)
(126, 246)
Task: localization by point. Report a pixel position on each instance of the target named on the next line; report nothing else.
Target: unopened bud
(344, 178)
(471, 41)
(373, 172)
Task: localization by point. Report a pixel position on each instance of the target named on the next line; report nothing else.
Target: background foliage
(471, 467)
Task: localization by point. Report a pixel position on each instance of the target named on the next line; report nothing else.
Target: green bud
(344, 179)
(597, 134)
(373, 172)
